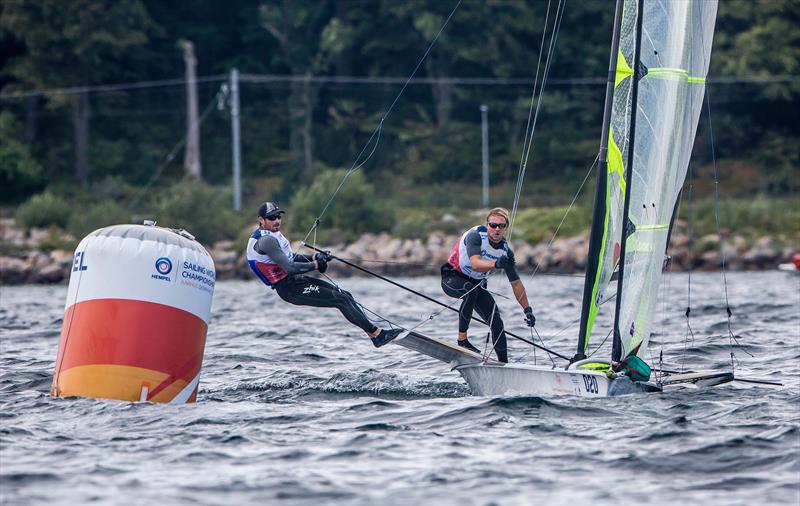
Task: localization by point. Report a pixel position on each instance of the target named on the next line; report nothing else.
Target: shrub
(44, 210)
(356, 209)
(110, 187)
(57, 239)
(419, 223)
(539, 224)
(99, 215)
(203, 210)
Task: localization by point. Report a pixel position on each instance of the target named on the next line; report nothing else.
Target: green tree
(309, 37)
(201, 209)
(76, 44)
(20, 173)
(356, 209)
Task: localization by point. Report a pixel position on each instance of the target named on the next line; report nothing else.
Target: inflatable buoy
(136, 316)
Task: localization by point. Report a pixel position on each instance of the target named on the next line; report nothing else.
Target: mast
(627, 225)
(597, 234)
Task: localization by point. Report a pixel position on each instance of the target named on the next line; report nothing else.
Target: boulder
(62, 258)
(50, 273)
(37, 236)
(13, 271)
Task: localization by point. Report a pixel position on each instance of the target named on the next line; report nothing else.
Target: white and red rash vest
(263, 266)
(459, 259)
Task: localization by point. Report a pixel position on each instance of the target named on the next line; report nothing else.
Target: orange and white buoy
(136, 316)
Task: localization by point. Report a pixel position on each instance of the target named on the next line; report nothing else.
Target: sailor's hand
(501, 263)
(325, 256)
(322, 265)
(530, 320)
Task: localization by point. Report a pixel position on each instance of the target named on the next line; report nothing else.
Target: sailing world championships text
(198, 273)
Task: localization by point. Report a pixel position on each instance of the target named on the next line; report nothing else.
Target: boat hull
(490, 378)
(521, 379)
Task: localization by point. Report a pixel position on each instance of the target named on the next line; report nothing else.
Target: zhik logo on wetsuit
(311, 288)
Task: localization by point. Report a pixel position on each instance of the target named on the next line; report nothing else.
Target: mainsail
(674, 49)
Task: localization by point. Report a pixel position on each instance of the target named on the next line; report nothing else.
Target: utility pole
(191, 157)
(236, 141)
(485, 153)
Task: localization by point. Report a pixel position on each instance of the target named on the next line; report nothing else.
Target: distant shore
(30, 257)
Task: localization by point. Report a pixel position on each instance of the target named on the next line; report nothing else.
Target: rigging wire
(376, 134)
(731, 338)
(689, 331)
(530, 114)
(602, 343)
(566, 213)
(559, 15)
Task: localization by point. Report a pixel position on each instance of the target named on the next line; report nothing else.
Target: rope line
(376, 134)
(690, 245)
(731, 338)
(566, 213)
(518, 188)
(529, 139)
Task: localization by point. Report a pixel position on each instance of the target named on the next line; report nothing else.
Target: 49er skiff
(659, 59)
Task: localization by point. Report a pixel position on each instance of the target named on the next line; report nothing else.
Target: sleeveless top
(459, 259)
(262, 265)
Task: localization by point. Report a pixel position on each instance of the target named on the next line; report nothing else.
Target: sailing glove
(322, 259)
(501, 263)
(529, 318)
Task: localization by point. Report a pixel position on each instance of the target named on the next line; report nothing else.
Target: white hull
(521, 379)
(491, 378)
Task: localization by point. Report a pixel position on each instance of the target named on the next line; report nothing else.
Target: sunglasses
(273, 218)
(501, 226)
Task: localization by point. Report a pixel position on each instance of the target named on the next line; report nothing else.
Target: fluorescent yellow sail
(674, 54)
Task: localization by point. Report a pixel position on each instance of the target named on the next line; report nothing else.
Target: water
(296, 407)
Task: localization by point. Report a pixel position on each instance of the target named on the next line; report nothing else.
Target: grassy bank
(409, 213)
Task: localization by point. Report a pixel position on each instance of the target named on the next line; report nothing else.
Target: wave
(371, 382)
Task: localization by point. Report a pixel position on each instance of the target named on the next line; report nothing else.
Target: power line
(367, 81)
(112, 87)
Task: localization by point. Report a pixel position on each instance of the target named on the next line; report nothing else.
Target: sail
(610, 196)
(674, 54)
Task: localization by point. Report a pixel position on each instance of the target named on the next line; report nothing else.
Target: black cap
(269, 209)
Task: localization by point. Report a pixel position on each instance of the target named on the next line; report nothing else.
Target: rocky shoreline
(28, 259)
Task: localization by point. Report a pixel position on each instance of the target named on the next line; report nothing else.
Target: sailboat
(659, 60)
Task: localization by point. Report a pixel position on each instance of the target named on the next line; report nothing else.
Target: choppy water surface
(297, 407)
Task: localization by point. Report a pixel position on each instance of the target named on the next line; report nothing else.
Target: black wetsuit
(307, 291)
(455, 284)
